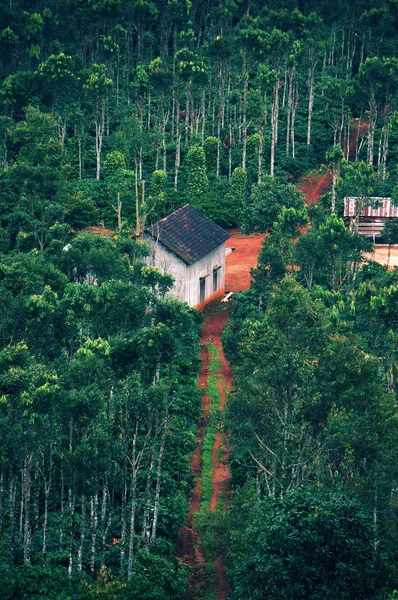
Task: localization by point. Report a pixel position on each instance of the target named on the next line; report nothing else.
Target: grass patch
(209, 524)
(215, 358)
(208, 443)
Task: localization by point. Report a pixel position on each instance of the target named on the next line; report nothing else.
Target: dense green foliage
(97, 96)
(314, 404)
(98, 409)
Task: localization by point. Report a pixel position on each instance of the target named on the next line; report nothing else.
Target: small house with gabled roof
(190, 247)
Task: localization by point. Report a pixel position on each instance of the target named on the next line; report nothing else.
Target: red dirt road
(241, 260)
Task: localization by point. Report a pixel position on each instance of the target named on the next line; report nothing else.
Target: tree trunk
(230, 152)
(82, 533)
(158, 479)
(218, 148)
(13, 494)
(1, 502)
(27, 541)
(71, 532)
(187, 108)
(177, 160)
(123, 515)
(260, 155)
(274, 125)
(134, 467)
(289, 108)
(79, 146)
(145, 522)
(311, 96)
(293, 120)
(104, 527)
(118, 211)
(244, 119)
(371, 128)
(47, 488)
(94, 526)
(61, 526)
(203, 114)
(99, 134)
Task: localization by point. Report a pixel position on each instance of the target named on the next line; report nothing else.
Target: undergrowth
(215, 358)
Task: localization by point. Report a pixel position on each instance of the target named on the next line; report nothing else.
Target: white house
(190, 247)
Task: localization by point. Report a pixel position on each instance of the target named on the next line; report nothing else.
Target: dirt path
(241, 259)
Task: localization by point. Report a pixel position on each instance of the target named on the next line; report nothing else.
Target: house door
(215, 280)
(202, 292)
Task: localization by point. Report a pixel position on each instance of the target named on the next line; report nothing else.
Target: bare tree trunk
(104, 527)
(79, 147)
(244, 120)
(371, 128)
(260, 155)
(123, 516)
(311, 96)
(145, 522)
(13, 494)
(230, 152)
(94, 526)
(334, 181)
(218, 148)
(71, 531)
(27, 541)
(47, 488)
(149, 111)
(165, 119)
(203, 114)
(289, 108)
(118, 210)
(285, 88)
(133, 504)
(158, 480)
(82, 533)
(187, 108)
(384, 154)
(274, 125)
(177, 160)
(61, 526)
(99, 134)
(1, 502)
(293, 120)
(132, 523)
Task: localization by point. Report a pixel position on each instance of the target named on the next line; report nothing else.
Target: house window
(202, 289)
(216, 279)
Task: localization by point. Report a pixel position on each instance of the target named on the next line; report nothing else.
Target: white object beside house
(190, 247)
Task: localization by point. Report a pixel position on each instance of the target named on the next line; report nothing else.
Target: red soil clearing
(241, 260)
(314, 186)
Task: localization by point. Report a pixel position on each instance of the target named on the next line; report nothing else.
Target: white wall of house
(188, 277)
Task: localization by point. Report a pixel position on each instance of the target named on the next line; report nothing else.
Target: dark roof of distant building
(188, 233)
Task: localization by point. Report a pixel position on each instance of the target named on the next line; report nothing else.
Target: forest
(113, 113)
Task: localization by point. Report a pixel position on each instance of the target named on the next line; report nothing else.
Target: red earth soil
(314, 186)
(241, 260)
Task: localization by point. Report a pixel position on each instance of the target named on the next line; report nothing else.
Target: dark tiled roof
(188, 233)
